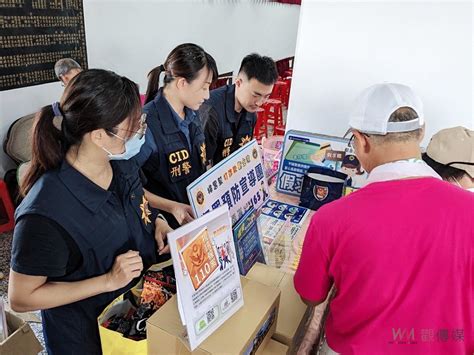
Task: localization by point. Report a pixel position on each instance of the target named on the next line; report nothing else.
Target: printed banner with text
(238, 182)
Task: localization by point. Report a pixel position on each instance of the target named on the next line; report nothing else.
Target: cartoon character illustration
(225, 255)
(351, 166)
(230, 255)
(221, 262)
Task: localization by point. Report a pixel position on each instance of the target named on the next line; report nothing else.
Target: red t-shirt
(401, 255)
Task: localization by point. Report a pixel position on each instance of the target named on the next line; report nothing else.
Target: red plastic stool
(281, 92)
(7, 221)
(260, 129)
(288, 89)
(274, 116)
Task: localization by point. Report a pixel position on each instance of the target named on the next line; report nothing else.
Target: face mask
(132, 148)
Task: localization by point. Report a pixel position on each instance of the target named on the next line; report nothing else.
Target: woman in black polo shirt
(83, 232)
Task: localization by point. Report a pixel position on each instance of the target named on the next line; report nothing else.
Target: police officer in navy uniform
(229, 115)
(84, 231)
(174, 154)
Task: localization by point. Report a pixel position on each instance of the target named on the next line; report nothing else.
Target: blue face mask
(132, 147)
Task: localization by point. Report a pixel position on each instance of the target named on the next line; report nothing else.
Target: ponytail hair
(47, 148)
(94, 99)
(185, 61)
(153, 83)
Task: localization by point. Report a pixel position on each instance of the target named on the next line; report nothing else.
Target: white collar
(401, 169)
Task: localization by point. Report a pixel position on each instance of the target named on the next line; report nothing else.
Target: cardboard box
(292, 309)
(247, 331)
(21, 339)
(275, 348)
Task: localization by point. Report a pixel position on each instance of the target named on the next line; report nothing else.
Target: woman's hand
(126, 267)
(183, 213)
(161, 230)
(31, 293)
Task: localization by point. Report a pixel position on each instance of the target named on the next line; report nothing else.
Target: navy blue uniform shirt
(103, 224)
(170, 161)
(225, 129)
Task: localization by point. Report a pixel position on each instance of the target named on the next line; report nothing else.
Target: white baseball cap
(375, 105)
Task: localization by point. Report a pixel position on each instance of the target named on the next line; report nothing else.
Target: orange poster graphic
(199, 258)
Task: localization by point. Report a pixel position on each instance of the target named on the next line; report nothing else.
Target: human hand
(182, 212)
(161, 230)
(126, 267)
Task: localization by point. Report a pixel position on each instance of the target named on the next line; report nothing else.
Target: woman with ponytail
(83, 232)
(174, 154)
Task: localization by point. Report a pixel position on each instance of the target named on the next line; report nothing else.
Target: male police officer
(229, 114)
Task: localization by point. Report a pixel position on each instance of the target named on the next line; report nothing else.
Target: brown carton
(247, 331)
(275, 348)
(291, 310)
(21, 339)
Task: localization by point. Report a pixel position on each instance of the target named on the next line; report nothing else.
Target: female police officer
(174, 154)
(84, 231)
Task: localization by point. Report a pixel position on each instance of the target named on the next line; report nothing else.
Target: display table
(309, 332)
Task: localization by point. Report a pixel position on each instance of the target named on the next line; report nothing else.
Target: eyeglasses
(139, 133)
(351, 139)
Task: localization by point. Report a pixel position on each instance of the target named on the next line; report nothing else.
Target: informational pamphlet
(247, 242)
(207, 273)
(278, 217)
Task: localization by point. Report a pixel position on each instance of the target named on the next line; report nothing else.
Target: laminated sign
(207, 274)
(238, 182)
(303, 150)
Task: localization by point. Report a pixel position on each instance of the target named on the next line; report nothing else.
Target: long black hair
(185, 61)
(448, 173)
(93, 99)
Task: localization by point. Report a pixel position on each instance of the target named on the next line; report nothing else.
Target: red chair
(271, 115)
(283, 65)
(281, 92)
(260, 129)
(288, 90)
(274, 116)
(7, 221)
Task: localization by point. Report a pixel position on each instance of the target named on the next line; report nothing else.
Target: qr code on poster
(233, 296)
(210, 315)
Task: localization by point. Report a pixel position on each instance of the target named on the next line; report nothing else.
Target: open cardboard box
(291, 310)
(275, 348)
(247, 332)
(21, 339)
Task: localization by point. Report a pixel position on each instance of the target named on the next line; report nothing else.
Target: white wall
(133, 36)
(345, 46)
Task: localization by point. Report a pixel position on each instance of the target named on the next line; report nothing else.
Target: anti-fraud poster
(303, 150)
(207, 273)
(238, 182)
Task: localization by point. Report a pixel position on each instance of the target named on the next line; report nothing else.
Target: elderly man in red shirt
(399, 251)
